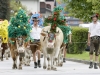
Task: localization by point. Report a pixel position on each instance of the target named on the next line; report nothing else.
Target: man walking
(94, 40)
(35, 45)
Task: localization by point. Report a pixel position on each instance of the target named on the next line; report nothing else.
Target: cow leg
(60, 59)
(48, 59)
(14, 57)
(28, 61)
(6, 54)
(25, 58)
(44, 63)
(4, 46)
(20, 62)
(14, 63)
(29, 58)
(52, 62)
(3, 51)
(56, 53)
(0, 53)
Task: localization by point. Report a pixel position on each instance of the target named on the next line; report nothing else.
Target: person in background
(41, 20)
(69, 41)
(30, 14)
(94, 40)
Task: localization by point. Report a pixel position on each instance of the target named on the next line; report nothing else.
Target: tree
(14, 6)
(95, 5)
(82, 9)
(19, 25)
(4, 9)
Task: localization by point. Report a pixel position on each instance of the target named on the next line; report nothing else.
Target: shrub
(79, 38)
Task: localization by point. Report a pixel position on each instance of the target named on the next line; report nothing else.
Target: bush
(79, 38)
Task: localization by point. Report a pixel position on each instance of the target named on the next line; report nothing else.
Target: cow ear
(57, 33)
(43, 34)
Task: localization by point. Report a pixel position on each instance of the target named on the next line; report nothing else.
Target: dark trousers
(94, 45)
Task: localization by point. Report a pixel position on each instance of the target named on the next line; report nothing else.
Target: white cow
(50, 44)
(27, 58)
(7, 53)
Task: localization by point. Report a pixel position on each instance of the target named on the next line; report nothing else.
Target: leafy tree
(4, 9)
(14, 6)
(82, 9)
(95, 5)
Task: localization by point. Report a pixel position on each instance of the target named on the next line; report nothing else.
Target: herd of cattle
(51, 47)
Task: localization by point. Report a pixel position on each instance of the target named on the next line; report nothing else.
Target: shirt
(94, 29)
(35, 33)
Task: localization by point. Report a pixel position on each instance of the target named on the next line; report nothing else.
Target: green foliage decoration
(55, 20)
(19, 25)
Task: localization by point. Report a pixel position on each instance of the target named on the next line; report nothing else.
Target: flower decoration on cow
(4, 31)
(19, 25)
(55, 20)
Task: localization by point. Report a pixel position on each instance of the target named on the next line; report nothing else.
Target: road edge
(78, 60)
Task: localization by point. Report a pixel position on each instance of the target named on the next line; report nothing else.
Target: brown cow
(3, 48)
(17, 49)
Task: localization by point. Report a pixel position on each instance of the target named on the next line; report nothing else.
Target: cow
(17, 49)
(50, 45)
(27, 58)
(3, 37)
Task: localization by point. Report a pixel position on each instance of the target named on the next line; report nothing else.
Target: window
(49, 0)
(48, 6)
(42, 7)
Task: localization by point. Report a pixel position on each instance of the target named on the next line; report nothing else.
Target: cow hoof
(1, 59)
(14, 66)
(6, 58)
(28, 65)
(44, 67)
(51, 68)
(55, 69)
(20, 68)
(48, 68)
(61, 65)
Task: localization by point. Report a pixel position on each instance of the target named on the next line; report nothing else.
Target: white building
(32, 5)
(39, 6)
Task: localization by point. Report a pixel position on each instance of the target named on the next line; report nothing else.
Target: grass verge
(84, 56)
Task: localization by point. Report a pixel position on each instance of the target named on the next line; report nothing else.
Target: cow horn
(58, 31)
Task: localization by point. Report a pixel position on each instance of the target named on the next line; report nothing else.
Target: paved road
(69, 68)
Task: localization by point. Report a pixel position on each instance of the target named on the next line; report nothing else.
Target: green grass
(84, 56)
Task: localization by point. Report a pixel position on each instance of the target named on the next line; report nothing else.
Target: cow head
(20, 43)
(49, 38)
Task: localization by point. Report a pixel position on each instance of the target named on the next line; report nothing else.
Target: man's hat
(35, 19)
(95, 15)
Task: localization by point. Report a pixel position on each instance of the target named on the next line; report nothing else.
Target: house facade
(45, 7)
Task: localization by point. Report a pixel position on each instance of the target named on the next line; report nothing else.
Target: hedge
(79, 38)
